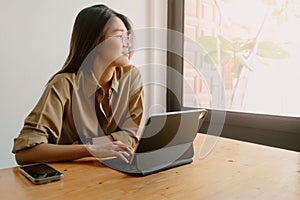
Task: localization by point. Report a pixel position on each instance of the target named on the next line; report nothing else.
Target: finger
(122, 145)
(129, 151)
(125, 154)
(118, 142)
(121, 156)
(125, 149)
(118, 145)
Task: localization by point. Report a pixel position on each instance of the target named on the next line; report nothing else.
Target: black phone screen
(40, 171)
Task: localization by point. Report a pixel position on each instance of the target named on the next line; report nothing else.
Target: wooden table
(233, 170)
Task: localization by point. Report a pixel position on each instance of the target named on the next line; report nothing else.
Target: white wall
(34, 40)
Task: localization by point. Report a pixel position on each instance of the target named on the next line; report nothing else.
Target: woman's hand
(110, 149)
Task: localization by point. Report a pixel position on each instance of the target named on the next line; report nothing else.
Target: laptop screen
(169, 129)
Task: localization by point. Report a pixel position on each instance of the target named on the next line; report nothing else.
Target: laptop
(166, 142)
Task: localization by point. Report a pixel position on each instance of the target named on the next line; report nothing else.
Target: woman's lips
(125, 53)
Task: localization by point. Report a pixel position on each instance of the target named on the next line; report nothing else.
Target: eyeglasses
(126, 37)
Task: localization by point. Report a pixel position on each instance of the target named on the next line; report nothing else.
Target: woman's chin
(122, 61)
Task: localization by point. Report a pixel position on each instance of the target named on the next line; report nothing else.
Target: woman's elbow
(24, 156)
(19, 159)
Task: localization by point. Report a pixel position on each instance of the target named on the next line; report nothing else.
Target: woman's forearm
(51, 153)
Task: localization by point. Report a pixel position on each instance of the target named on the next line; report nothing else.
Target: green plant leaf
(276, 13)
(226, 45)
(268, 49)
(208, 43)
(269, 2)
(249, 43)
(282, 19)
(211, 58)
(245, 64)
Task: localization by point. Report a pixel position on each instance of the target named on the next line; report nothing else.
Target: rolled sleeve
(28, 139)
(44, 123)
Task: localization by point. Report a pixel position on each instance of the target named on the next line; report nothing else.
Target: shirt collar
(91, 85)
(116, 79)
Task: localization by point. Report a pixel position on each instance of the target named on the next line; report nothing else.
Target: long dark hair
(88, 31)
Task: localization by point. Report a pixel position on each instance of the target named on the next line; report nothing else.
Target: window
(253, 45)
(255, 54)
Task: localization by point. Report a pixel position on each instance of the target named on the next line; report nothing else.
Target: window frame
(272, 130)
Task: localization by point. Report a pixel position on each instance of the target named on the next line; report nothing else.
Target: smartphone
(40, 173)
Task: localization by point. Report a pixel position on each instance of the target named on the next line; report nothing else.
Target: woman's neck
(107, 75)
(103, 71)
(104, 76)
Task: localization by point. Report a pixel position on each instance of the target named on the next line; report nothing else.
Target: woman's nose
(126, 43)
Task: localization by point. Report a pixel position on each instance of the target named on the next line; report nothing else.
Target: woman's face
(116, 46)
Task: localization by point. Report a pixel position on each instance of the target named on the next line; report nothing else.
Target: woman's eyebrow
(118, 29)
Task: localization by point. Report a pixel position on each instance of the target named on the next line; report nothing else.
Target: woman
(95, 102)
